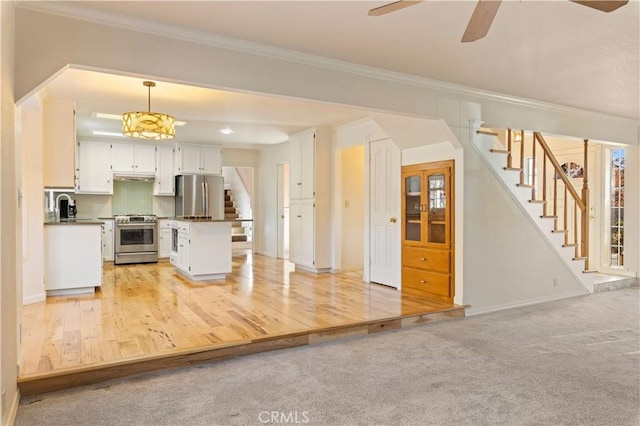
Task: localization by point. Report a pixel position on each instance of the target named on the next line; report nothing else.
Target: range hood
(133, 177)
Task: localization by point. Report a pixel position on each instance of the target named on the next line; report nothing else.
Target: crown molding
(219, 41)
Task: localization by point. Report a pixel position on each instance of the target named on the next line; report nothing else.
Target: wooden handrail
(576, 234)
(559, 172)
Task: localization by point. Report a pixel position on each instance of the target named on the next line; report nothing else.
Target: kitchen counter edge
(75, 222)
(209, 220)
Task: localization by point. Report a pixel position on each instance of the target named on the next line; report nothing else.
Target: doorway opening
(239, 195)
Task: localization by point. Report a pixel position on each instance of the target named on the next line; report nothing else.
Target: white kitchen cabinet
(211, 160)
(72, 258)
(302, 230)
(94, 168)
(133, 158)
(302, 165)
(204, 249)
(184, 251)
(59, 148)
(311, 200)
(164, 180)
(164, 243)
(199, 159)
(107, 241)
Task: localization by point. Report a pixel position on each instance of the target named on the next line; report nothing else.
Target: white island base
(203, 249)
(73, 257)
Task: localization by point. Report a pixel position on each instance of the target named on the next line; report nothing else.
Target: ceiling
(552, 51)
(255, 120)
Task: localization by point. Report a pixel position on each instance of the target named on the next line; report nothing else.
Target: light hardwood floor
(147, 312)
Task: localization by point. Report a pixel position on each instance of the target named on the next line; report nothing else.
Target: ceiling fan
(486, 10)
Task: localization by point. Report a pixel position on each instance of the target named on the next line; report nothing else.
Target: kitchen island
(72, 256)
(201, 248)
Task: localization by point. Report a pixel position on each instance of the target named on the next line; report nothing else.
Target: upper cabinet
(164, 181)
(199, 159)
(94, 168)
(427, 206)
(59, 133)
(133, 158)
(302, 165)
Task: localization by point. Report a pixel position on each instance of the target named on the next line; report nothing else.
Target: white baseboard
(13, 410)
(268, 254)
(342, 270)
(486, 310)
(28, 300)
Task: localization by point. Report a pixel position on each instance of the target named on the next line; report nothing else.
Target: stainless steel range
(136, 239)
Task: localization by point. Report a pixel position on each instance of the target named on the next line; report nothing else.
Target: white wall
(240, 157)
(266, 226)
(352, 208)
(33, 205)
(10, 227)
(61, 41)
(632, 210)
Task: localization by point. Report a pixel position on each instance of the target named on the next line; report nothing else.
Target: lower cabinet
(107, 241)
(302, 227)
(67, 269)
(203, 249)
(309, 237)
(164, 241)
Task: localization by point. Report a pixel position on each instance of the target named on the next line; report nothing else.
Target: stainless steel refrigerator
(200, 196)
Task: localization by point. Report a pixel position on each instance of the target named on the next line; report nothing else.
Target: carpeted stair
(231, 212)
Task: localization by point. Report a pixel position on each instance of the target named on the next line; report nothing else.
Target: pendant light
(147, 124)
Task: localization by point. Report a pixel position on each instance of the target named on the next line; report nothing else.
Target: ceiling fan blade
(481, 20)
(392, 7)
(604, 6)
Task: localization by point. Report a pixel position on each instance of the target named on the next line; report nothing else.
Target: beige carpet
(571, 362)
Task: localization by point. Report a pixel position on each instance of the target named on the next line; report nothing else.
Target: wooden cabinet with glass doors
(427, 230)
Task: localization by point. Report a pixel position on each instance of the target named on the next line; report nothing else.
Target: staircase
(238, 233)
(565, 229)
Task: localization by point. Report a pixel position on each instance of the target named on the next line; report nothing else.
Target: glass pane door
(414, 205)
(437, 219)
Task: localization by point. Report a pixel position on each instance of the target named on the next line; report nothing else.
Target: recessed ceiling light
(119, 117)
(101, 133)
(226, 131)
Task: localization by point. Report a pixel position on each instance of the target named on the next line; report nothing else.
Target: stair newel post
(522, 157)
(585, 211)
(565, 217)
(509, 148)
(544, 181)
(555, 200)
(575, 229)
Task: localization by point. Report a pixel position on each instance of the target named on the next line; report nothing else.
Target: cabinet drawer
(420, 258)
(429, 282)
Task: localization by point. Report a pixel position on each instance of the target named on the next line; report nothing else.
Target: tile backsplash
(128, 197)
(132, 197)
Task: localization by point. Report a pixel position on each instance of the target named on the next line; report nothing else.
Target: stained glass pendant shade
(147, 124)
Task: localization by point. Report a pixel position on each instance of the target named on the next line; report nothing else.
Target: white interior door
(384, 225)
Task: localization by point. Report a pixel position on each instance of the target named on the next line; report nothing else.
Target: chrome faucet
(57, 208)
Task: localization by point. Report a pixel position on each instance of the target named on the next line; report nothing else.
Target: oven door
(136, 237)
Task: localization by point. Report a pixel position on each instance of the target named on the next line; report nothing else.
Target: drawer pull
(423, 282)
(423, 258)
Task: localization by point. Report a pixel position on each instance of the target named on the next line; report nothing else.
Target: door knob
(393, 219)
